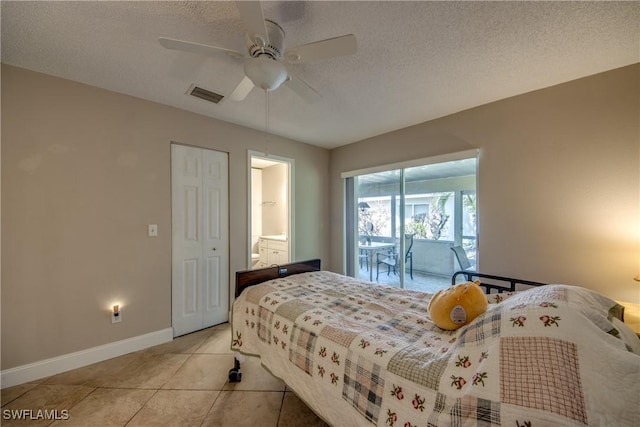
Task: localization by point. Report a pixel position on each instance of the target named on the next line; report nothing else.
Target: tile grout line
(284, 393)
(160, 386)
(213, 404)
(141, 407)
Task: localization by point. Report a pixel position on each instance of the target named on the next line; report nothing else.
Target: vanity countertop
(280, 237)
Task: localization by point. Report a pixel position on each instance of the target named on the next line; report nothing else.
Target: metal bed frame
(511, 287)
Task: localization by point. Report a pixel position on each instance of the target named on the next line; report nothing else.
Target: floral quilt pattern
(373, 351)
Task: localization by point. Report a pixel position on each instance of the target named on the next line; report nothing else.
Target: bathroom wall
(256, 208)
(274, 199)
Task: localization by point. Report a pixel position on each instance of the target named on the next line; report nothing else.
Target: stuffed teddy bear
(458, 305)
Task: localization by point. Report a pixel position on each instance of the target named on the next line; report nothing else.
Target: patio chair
(363, 257)
(390, 259)
(463, 260)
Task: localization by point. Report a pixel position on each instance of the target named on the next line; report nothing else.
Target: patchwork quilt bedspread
(364, 354)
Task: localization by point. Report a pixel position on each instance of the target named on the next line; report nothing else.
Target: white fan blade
(303, 89)
(253, 18)
(242, 90)
(323, 49)
(201, 49)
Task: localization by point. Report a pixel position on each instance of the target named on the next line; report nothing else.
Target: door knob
(213, 249)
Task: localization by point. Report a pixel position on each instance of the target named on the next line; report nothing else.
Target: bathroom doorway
(270, 210)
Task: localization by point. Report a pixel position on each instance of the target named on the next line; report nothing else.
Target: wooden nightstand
(631, 315)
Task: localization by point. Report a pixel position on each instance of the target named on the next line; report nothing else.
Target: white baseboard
(55, 365)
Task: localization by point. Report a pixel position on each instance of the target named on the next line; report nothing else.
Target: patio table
(371, 248)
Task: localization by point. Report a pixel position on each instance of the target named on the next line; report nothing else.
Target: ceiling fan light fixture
(265, 65)
(267, 74)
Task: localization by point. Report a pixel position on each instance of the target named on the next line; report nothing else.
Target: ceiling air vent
(205, 94)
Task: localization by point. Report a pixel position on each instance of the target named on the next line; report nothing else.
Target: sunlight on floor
(421, 281)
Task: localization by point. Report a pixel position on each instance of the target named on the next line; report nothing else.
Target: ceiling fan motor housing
(265, 72)
(273, 47)
(265, 67)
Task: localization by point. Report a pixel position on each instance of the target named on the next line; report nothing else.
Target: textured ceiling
(416, 61)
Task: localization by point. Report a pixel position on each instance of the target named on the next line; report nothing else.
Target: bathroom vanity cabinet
(273, 250)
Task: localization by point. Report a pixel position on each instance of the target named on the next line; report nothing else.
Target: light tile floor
(421, 281)
(180, 383)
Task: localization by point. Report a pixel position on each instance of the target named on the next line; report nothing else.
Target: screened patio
(434, 203)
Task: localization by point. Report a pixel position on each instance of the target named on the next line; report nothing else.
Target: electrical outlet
(116, 317)
(153, 230)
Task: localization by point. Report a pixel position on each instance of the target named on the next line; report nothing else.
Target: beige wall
(83, 172)
(274, 189)
(558, 180)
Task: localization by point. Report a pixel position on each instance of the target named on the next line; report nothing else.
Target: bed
(362, 354)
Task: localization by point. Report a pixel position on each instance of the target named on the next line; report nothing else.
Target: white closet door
(216, 247)
(200, 281)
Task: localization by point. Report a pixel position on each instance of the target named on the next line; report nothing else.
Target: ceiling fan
(264, 62)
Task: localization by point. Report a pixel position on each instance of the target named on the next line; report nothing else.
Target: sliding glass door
(468, 240)
(407, 220)
(378, 202)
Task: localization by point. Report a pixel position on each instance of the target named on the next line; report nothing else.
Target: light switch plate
(153, 230)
